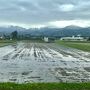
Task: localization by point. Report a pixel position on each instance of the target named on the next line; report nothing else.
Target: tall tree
(14, 35)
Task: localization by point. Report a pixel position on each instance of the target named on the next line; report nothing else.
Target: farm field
(28, 62)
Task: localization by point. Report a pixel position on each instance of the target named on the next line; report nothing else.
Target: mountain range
(47, 31)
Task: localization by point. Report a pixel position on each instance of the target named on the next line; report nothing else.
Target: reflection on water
(43, 62)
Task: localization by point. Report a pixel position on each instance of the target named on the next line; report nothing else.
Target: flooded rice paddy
(43, 62)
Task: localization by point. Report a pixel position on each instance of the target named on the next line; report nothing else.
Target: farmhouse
(46, 39)
(73, 38)
(49, 39)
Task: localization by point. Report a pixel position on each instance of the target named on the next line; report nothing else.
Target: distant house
(46, 39)
(1, 38)
(73, 38)
(49, 39)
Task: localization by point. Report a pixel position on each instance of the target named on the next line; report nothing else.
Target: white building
(1, 37)
(73, 38)
(46, 39)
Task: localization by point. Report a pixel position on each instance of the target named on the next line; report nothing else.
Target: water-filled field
(43, 62)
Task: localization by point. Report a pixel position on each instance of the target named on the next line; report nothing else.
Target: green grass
(45, 86)
(82, 45)
(6, 42)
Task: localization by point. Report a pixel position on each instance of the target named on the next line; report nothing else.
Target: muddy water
(43, 62)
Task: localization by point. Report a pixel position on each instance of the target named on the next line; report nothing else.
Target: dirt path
(43, 62)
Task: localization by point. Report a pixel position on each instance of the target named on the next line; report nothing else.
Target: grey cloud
(42, 11)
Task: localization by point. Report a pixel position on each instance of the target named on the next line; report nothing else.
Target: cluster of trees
(14, 35)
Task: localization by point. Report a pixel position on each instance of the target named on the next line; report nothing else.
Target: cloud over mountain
(37, 12)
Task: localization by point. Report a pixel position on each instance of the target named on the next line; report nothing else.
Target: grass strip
(45, 86)
(82, 45)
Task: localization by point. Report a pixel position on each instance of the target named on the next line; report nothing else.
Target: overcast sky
(40, 13)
